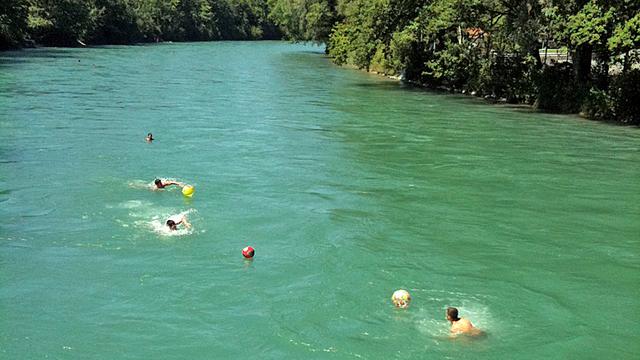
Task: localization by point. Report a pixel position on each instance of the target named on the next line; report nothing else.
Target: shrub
(455, 66)
(558, 90)
(625, 91)
(510, 77)
(379, 62)
(598, 105)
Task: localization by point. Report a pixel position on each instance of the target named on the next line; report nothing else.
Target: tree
(626, 36)
(60, 22)
(13, 23)
(114, 23)
(589, 29)
(304, 20)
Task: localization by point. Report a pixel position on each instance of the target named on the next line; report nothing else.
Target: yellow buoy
(401, 298)
(188, 191)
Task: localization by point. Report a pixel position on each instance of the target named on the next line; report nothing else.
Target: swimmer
(176, 220)
(460, 325)
(149, 138)
(160, 184)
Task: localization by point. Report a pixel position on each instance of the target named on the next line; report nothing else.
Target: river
(348, 185)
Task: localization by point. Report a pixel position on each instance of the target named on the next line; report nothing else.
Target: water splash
(158, 224)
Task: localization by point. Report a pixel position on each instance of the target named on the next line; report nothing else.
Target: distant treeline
(78, 22)
(493, 48)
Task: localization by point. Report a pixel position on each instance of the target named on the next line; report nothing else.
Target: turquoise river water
(348, 185)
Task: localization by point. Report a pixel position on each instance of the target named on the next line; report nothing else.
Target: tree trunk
(535, 52)
(582, 59)
(582, 65)
(602, 76)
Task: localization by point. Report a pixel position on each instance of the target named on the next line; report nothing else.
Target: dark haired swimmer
(149, 137)
(173, 222)
(160, 184)
(460, 325)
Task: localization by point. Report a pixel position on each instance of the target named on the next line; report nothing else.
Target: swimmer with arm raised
(176, 220)
(461, 325)
(161, 184)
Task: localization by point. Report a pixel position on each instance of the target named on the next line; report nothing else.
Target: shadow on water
(383, 85)
(399, 86)
(389, 85)
(409, 92)
(314, 52)
(41, 53)
(10, 58)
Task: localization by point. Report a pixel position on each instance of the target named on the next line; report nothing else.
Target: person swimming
(161, 184)
(461, 325)
(176, 220)
(149, 137)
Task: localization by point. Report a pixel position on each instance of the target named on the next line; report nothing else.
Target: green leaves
(304, 20)
(591, 24)
(626, 36)
(13, 22)
(75, 22)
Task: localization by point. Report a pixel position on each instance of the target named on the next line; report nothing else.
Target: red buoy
(248, 252)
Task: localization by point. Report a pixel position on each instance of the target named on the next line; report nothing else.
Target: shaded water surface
(349, 186)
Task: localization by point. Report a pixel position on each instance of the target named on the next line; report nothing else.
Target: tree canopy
(77, 22)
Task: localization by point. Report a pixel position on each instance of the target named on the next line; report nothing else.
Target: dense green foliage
(557, 89)
(488, 47)
(77, 22)
(13, 22)
(310, 20)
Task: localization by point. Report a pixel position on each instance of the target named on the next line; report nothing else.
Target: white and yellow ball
(401, 298)
(188, 190)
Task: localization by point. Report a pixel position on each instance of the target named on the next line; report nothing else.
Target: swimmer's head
(452, 314)
(158, 182)
(172, 225)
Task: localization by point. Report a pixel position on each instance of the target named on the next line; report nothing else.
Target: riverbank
(600, 106)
